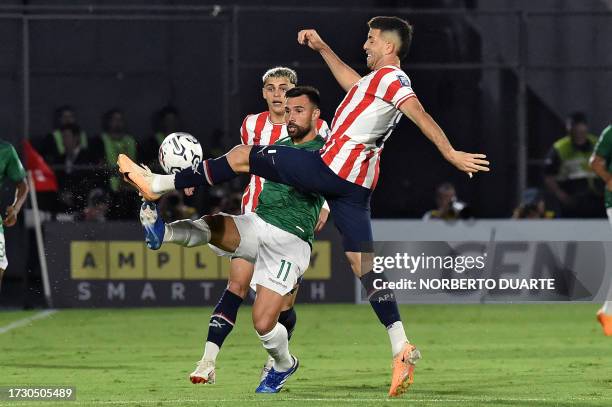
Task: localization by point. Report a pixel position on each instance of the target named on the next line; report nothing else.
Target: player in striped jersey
(346, 170)
(269, 126)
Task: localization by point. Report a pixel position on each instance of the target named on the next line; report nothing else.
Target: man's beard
(299, 133)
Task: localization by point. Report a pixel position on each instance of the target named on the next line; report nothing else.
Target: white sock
(397, 336)
(607, 307)
(162, 183)
(276, 343)
(211, 350)
(187, 232)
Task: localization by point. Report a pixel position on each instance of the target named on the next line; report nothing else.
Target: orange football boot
(606, 322)
(403, 370)
(140, 177)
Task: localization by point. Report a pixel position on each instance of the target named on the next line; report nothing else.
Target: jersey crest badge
(403, 80)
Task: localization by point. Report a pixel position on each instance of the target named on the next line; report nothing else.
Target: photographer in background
(532, 206)
(448, 206)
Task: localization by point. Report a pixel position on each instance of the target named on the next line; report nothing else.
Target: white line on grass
(336, 400)
(26, 321)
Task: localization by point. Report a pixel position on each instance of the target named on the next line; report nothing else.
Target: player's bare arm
(598, 164)
(13, 210)
(344, 74)
(466, 162)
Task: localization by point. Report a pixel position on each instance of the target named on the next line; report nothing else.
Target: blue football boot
(274, 381)
(153, 224)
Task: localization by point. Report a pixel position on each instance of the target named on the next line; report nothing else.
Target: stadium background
(499, 76)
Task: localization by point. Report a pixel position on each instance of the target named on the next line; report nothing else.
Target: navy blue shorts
(305, 170)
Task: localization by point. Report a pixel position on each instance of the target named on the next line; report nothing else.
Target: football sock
(162, 183)
(211, 350)
(187, 232)
(397, 336)
(288, 319)
(607, 307)
(382, 301)
(208, 172)
(276, 344)
(221, 323)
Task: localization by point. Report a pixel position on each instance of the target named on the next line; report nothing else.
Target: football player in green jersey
(601, 163)
(10, 168)
(277, 238)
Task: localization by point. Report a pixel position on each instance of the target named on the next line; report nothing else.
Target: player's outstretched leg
(213, 171)
(274, 338)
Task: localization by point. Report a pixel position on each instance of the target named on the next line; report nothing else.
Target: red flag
(44, 177)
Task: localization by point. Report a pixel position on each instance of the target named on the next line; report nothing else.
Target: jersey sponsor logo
(403, 80)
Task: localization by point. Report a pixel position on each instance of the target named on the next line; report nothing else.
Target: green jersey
(603, 148)
(287, 208)
(10, 166)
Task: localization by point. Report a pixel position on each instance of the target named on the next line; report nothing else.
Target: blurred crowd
(569, 188)
(89, 187)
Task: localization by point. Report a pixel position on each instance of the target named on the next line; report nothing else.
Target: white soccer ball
(179, 151)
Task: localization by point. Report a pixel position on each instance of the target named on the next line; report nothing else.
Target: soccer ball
(179, 151)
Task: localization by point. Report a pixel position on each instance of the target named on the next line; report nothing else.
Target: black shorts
(305, 170)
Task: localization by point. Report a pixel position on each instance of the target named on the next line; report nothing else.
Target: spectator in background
(567, 174)
(70, 165)
(448, 206)
(97, 206)
(115, 140)
(172, 207)
(532, 206)
(164, 122)
(53, 143)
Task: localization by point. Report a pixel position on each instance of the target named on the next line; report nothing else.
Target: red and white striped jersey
(363, 121)
(257, 129)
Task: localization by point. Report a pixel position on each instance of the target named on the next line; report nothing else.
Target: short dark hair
(107, 116)
(397, 25)
(311, 92)
(577, 118)
(57, 114)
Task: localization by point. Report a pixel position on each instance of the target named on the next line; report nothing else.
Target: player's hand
(189, 191)
(609, 185)
(323, 215)
(11, 216)
(468, 162)
(312, 39)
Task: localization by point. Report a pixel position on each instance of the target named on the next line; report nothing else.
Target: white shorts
(280, 258)
(3, 259)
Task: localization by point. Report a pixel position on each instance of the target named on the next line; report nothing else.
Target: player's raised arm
(344, 74)
(466, 162)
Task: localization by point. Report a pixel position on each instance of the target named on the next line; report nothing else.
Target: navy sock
(288, 319)
(208, 172)
(382, 301)
(223, 318)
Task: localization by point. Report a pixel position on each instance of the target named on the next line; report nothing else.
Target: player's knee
(238, 158)
(263, 323)
(238, 287)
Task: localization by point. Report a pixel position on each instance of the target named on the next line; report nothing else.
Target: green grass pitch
(473, 355)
